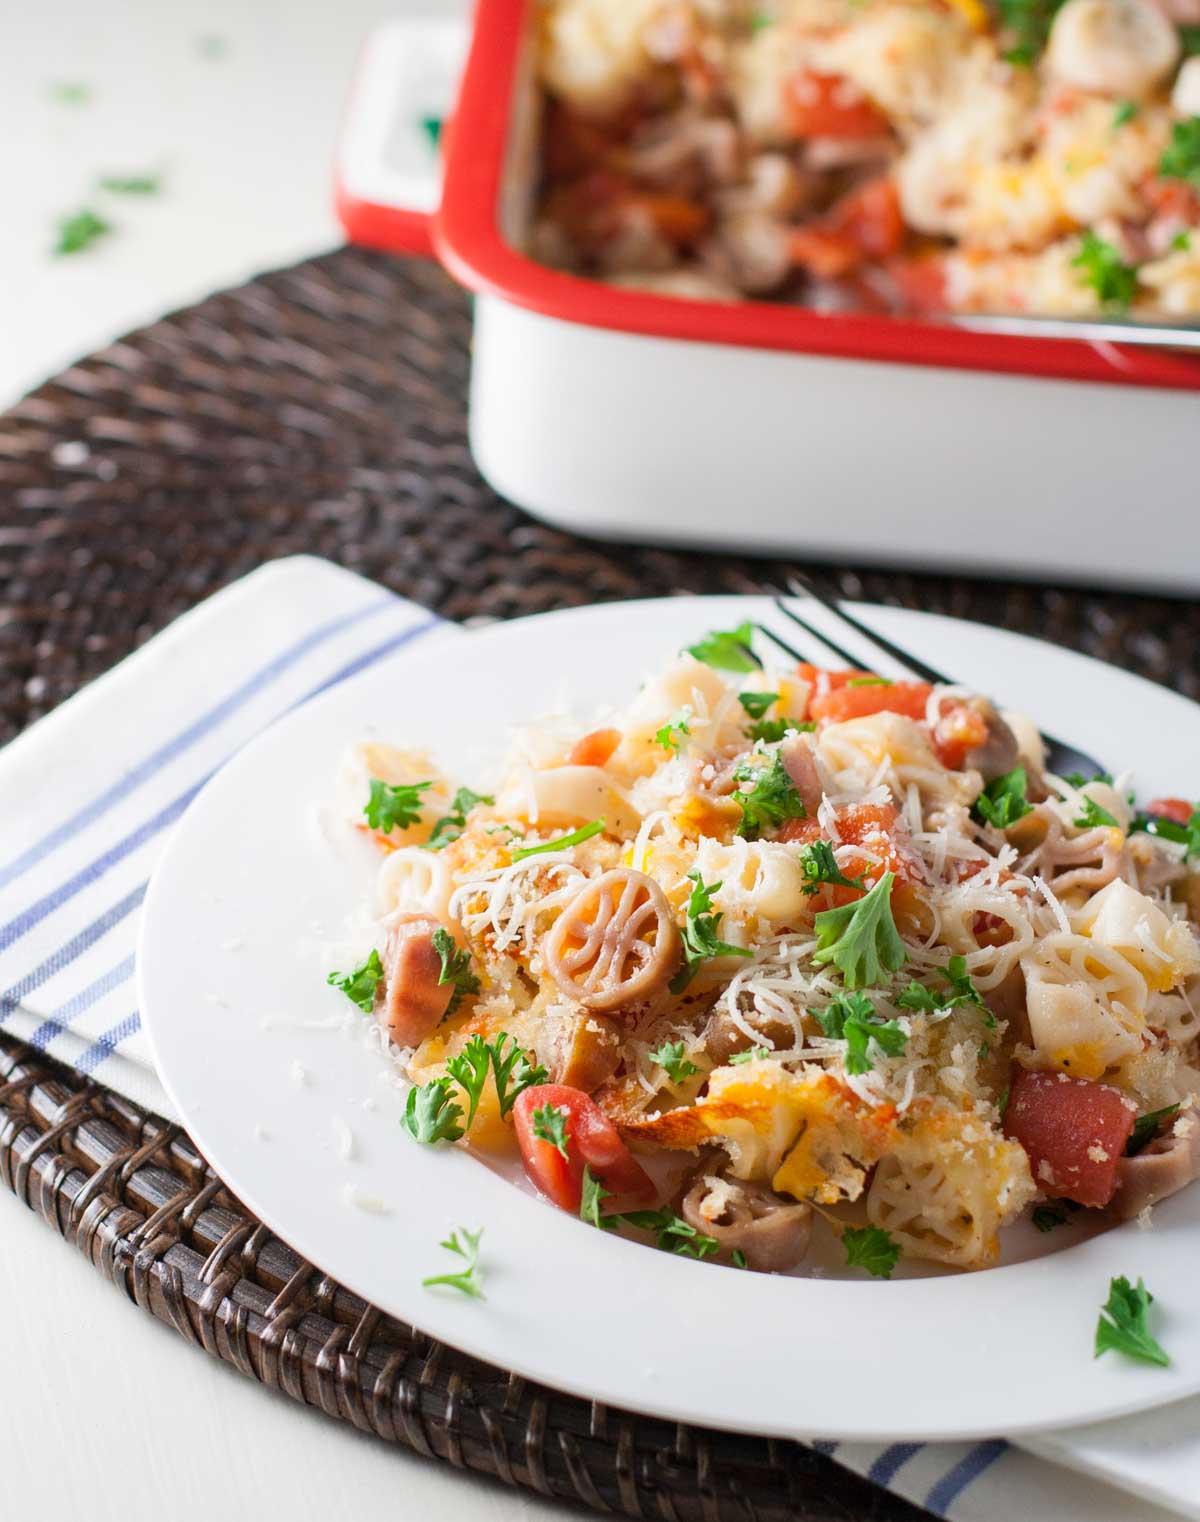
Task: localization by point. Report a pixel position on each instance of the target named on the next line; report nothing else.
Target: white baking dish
(756, 427)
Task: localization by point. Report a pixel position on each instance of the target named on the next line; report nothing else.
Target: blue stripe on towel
(965, 1472)
(105, 1045)
(60, 1019)
(116, 853)
(185, 738)
(884, 1469)
(11, 998)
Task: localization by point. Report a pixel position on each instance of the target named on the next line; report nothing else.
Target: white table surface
(108, 1415)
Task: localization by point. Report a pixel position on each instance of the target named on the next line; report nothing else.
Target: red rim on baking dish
(466, 236)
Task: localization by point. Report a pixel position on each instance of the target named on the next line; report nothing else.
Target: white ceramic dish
(230, 974)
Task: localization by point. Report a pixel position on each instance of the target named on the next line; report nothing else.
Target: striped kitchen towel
(87, 799)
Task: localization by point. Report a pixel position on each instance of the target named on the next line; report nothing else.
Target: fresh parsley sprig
(1181, 157)
(700, 934)
(514, 1071)
(550, 1125)
(575, 838)
(819, 865)
(933, 1001)
(727, 649)
(394, 806)
(470, 1069)
(1187, 835)
(1102, 268)
(1004, 800)
(469, 1279)
(871, 1248)
(861, 939)
(670, 1058)
(669, 735)
(751, 1054)
(854, 1020)
(451, 825)
(432, 1113)
(79, 231)
(1091, 816)
(772, 801)
(757, 703)
(360, 984)
(1124, 1326)
(593, 1196)
(672, 1233)
(456, 968)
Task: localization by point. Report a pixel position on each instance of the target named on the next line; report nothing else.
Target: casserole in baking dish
(757, 425)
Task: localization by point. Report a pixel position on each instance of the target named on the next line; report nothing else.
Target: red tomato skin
(592, 1140)
(864, 225)
(826, 105)
(595, 749)
(835, 707)
(1177, 809)
(1059, 1120)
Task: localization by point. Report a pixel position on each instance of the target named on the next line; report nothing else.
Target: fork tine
(915, 664)
(778, 639)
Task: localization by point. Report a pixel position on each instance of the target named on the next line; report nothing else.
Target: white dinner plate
(234, 997)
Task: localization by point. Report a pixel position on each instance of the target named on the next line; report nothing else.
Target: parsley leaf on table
(360, 984)
(861, 939)
(700, 938)
(394, 806)
(131, 184)
(79, 231)
(470, 1279)
(727, 649)
(871, 1248)
(853, 1019)
(772, 801)
(1004, 800)
(1123, 1326)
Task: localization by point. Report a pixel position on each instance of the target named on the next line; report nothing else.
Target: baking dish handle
(388, 174)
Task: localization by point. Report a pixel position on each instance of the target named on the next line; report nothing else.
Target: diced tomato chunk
(870, 825)
(960, 730)
(592, 1141)
(1177, 809)
(865, 225)
(847, 702)
(1074, 1132)
(595, 749)
(826, 105)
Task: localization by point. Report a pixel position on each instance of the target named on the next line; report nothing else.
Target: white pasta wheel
(946, 1188)
(1086, 1004)
(413, 881)
(1163, 950)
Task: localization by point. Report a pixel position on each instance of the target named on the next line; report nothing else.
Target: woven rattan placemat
(322, 410)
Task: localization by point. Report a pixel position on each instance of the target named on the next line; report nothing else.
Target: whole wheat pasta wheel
(615, 943)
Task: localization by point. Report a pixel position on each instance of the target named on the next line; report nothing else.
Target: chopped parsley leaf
(861, 939)
(853, 1020)
(79, 231)
(550, 1125)
(668, 735)
(871, 1248)
(451, 825)
(212, 45)
(932, 1001)
(394, 806)
(432, 128)
(672, 1233)
(131, 184)
(1091, 816)
(1123, 1326)
(1102, 268)
(433, 1112)
(738, 1258)
(1189, 36)
(594, 1195)
(470, 1068)
(670, 1058)
(772, 801)
(359, 985)
(1047, 1217)
(1004, 800)
(819, 865)
(1078, 780)
(727, 649)
(575, 838)
(870, 681)
(469, 1280)
(1181, 243)
(700, 934)
(456, 968)
(1125, 112)
(770, 730)
(1028, 23)
(1002, 1101)
(1147, 1127)
(752, 1054)
(1181, 157)
(514, 1071)
(69, 92)
(757, 703)
(1187, 835)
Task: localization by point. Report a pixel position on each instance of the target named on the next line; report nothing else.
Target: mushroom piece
(1164, 1167)
(414, 1000)
(585, 1049)
(801, 766)
(749, 1218)
(998, 753)
(615, 943)
(1112, 47)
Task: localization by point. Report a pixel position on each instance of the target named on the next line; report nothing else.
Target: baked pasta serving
(911, 156)
(774, 947)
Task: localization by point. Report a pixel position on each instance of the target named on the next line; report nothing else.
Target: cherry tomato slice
(592, 1142)
(1074, 1131)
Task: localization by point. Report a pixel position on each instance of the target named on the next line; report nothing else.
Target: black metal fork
(1061, 758)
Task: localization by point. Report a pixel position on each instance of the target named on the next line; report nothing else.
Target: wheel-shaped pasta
(615, 943)
(413, 881)
(1114, 47)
